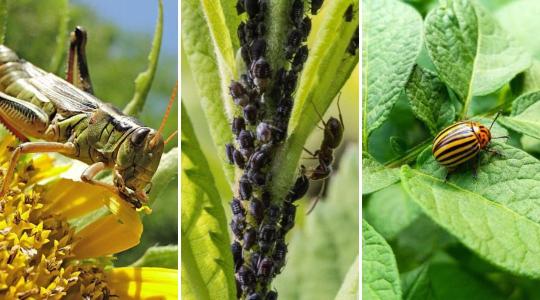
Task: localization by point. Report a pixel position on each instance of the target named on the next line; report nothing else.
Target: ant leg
(339, 110)
(318, 113)
(319, 196)
(311, 153)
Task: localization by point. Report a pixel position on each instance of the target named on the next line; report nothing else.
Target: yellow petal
(108, 235)
(144, 283)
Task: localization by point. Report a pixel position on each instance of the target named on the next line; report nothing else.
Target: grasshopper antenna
(166, 116)
(167, 140)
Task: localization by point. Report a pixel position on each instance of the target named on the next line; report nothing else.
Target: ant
(333, 134)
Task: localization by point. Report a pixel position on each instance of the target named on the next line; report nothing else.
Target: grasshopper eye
(137, 138)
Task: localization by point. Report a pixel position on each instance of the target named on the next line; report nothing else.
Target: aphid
(265, 268)
(349, 13)
(460, 142)
(281, 76)
(35, 103)
(255, 258)
(267, 237)
(236, 250)
(245, 139)
(264, 132)
(244, 188)
(283, 112)
(305, 27)
(272, 295)
(246, 81)
(280, 252)
(297, 12)
(254, 296)
(258, 48)
(260, 158)
(288, 215)
(273, 212)
(238, 93)
(241, 32)
(229, 150)
(315, 6)
(246, 278)
(251, 7)
(260, 71)
(256, 210)
(290, 83)
(257, 177)
(238, 159)
(300, 58)
(266, 198)
(237, 227)
(300, 187)
(353, 44)
(261, 29)
(250, 114)
(244, 51)
(237, 209)
(240, 7)
(250, 236)
(238, 124)
(294, 38)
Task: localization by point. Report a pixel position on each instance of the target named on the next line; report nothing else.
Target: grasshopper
(72, 121)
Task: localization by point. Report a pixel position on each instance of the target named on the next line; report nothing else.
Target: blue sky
(140, 16)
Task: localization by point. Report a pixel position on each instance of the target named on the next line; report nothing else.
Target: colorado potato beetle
(461, 142)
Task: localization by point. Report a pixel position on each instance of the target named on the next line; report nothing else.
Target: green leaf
(392, 37)
(462, 34)
(197, 44)
(429, 99)
(206, 256)
(61, 37)
(390, 210)
(144, 80)
(527, 121)
(232, 19)
(520, 19)
(496, 216)
(166, 172)
(528, 81)
(159, 257)
(321, 253)
(376, 176)
(380, 279)
(524, 101)
(349, 288)
(3, 22)
(327, 68)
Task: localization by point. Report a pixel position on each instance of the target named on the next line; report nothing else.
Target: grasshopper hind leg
(77, 67)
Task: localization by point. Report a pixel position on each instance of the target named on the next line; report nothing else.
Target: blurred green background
(116, 54)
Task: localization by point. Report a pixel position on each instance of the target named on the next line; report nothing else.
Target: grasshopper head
(136, 162)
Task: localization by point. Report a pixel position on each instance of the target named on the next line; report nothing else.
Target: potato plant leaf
(520, 18)
(327, 68)
(392, 37)
(526, 121)
(206, 257)
(380, 278)
(375, 176)
(349, 288)
(461, 33)
(321, 252)
(197, 44)
(390, 210)
(144, 80)
(159, 257)
(496, 216)
(429, 99)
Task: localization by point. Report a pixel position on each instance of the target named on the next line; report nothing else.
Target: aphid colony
(259, 223)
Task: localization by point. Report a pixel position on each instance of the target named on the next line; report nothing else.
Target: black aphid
(245, 139)
(265, 268)
(251, 7)
(238, 124)
(258, 48)
(280, 253)
(315, 6)
(236, 249)
(246, 278)
(238, 93)
(273, 212)
(272, 295)
(300, 58)
(289, 213)
(266, 198)
(305, 28)
(239, 159)
(254, 296)
(256, 210)
(300, 187)
(294, 38)
(250, 236)
(290, 83)
(353, 44)
(240, 7)
(349, 13)
(257, 177)
(297, 12)
(260, 158)
(237, 209)
(260, 71)
(264, 132)
(241, 32)
(267, 237)
(255, 258)
(250, 114)
(237, 227)
(244, 188)
(229, 150)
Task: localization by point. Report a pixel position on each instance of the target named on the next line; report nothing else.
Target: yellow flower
(57, 239)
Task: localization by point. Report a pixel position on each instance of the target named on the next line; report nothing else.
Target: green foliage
(321, 253)
(207, 267)
(159, 257)
(349, 288)
(464, 237)
(380, 279)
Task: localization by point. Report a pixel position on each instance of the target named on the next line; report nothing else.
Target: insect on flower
(461, 142)
(71, 121)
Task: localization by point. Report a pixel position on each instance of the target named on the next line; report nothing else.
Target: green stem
(409, 156)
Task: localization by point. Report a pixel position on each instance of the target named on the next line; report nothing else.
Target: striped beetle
(461, 142)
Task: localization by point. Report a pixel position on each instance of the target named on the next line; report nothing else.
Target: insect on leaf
(206, 257)
(491, 215)
(392, 41)
(380, 277)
